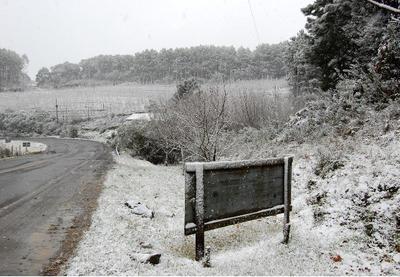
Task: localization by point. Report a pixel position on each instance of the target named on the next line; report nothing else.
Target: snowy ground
(138, 116)
(329, 221)
(16, 146)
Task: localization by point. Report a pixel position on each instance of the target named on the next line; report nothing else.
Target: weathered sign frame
(26, 144)
(196, 219)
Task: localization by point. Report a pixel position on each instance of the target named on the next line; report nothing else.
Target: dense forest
(12, 76)
(351, 44)
(170, 65)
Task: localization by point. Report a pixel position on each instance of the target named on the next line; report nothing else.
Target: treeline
(348, 44)
(170, 65)
(12, 65)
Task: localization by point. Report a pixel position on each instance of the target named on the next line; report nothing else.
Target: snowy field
(123, 98)
(327, 238)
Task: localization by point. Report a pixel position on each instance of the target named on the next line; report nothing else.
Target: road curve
(41, 196)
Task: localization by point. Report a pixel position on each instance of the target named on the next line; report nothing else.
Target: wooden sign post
(26, 145)
(218, 194)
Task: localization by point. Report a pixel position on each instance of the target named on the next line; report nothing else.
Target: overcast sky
(55, 31)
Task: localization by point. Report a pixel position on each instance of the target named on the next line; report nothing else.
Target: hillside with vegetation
(341, 122)
(351, 44)
(345, 63)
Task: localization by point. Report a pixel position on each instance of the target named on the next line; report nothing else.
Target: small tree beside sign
(219, 194)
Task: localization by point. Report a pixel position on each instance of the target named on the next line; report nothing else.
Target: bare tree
(194, 123)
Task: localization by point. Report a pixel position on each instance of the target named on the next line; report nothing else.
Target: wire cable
(254, 22)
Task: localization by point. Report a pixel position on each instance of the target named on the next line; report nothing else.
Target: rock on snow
(146, 258)
(139, 209)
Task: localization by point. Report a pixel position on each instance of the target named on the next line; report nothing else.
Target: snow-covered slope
(330, 220)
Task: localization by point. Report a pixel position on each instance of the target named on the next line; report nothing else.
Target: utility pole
(56, 110)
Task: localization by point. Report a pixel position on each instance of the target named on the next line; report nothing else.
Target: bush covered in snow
(73, 132)
(141, 140)
(5, 152)
(201, 122)
(36, 123)
(24, 123)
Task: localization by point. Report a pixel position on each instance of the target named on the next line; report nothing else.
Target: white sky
(55, 31)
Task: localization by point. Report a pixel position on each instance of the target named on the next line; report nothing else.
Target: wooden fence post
(56, 110)
(287, 196)
(199, 212)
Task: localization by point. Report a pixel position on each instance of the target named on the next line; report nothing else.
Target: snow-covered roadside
(252, 248)
(16, 146)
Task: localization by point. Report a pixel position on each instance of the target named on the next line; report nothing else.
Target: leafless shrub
(73, 132)
(258, 110)
(204, 123)
(193, 123)
(141, 140)
(264, 111)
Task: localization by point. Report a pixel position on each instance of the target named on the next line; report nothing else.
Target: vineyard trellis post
(56, 110)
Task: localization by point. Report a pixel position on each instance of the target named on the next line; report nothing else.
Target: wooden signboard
(219, 194)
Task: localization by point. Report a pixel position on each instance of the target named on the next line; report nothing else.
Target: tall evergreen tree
(332, 49)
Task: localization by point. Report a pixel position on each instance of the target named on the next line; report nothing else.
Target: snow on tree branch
(384, 6)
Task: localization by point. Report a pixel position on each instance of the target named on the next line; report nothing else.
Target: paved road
(41, 196)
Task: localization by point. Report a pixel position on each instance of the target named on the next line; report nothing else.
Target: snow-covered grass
(345, 218)
(328, 221)
(124, 98)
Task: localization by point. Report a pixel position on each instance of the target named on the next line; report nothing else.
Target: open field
(265, 86)
(112, 99)
(125, 98)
